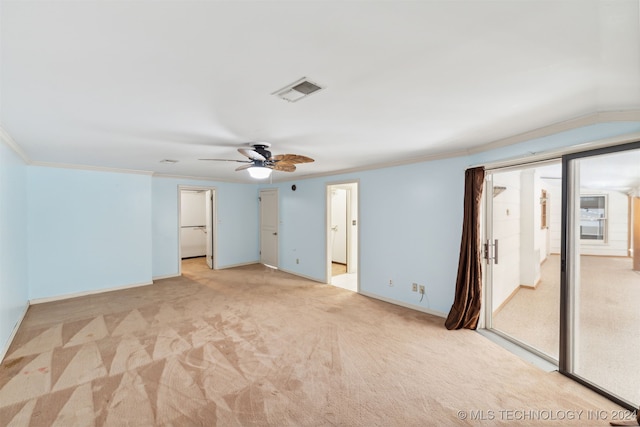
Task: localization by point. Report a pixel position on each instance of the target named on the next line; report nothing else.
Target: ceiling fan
(261, 162)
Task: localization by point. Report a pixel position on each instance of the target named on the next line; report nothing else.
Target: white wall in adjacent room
(193, 238)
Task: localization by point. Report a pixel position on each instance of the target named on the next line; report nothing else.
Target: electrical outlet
(297, 260)
(422, 289)
(390, 282)
(414, 287)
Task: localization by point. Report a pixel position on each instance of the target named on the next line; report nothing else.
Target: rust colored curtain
(465, 310)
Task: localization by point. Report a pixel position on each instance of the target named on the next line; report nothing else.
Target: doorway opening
(342, 235)
(196, 227)
(522, 274)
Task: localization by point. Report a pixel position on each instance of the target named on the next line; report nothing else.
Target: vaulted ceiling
(126, 84)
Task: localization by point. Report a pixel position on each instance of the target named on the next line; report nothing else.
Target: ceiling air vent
(297, 90)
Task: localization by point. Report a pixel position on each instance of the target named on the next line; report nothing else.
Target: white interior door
(339, 225)
(269, 227)
(209, 226)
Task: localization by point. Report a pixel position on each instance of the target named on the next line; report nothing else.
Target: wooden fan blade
(253, 155)
(229, 160)
(292, 158)
(243, 167)
(284, 167)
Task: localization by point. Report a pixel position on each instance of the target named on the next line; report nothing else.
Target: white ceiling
(618, 171)
(125, 84)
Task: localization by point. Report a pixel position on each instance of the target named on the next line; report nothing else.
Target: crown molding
(567, 125)
(11, 143)
(198, 178)
(376, 166)
(90, 168)
(575, 123)
(556, 154)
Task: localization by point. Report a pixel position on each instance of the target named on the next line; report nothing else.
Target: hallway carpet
(255, 346)
(608, 335)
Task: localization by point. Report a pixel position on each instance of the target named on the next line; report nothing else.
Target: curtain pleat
(465, 310)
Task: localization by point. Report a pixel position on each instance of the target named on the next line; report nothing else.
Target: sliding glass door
(600, 336)
(562, 276)
(522, 253)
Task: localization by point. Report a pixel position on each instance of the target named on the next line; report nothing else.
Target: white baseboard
(378, 297)
(303, 276)
(167, 276)
(82, 294)
(13, 333)
(406, 305)
(242, 264)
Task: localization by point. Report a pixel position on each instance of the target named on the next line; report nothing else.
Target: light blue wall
(302, 228)
(13, 242)
(88, 230)
(413, 234)
(410, 225)
(410, 219)
(237, 223)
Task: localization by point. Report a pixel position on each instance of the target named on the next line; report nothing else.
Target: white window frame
(605, 221)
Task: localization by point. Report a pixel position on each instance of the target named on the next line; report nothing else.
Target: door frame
(565, 155)
(277, 254)
(351, 258)
(214, 222)
(488, 237)
(567, 268)
(347, 230)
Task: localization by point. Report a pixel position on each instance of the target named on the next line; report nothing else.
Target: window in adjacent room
(593, 218)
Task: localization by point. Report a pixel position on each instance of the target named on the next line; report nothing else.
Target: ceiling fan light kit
(259, 172)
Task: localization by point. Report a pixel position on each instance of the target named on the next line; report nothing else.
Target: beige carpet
(533, 315)
(608, 342)
(253, 346)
